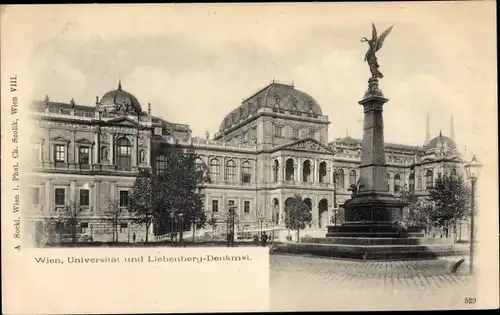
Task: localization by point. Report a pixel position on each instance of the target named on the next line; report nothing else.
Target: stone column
(329, 172)
(254, 171)
(73, 192)
(298, 178)
(238, 170)
(97, 197)
(73, 146)
(315, 171)
(148, 151)
(315, 211)
(97, 148)
(48, 197)
(113, 192)
(373, 166)
(111, 157)
(223, 169)
(281, 210)
(281, 169)
(135, 152)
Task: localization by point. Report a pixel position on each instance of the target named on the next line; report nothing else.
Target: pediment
(123, 121)
(59, 139)
(83, 141)
(308, 145)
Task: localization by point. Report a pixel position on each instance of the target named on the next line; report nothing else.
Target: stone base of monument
(370, 248)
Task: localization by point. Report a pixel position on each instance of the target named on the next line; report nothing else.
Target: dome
(441, 142)
(277, 96)
(120, 100)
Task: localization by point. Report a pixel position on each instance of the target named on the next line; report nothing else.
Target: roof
(274, 95)
(441, 142)
(119, 100)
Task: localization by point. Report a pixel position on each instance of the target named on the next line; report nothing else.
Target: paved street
(310, 283)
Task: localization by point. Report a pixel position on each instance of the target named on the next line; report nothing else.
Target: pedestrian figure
(256, 239)
(133, 237)
(264, 239)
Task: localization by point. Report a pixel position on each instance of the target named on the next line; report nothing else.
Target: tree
(213, 223)
(67, 220)
(298, 214)
(114, 215)
(182, 185)
(142, 203)
(417, 208)
(174, 191)
(451, 201)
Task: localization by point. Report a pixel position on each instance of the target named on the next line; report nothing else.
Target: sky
(195, 63)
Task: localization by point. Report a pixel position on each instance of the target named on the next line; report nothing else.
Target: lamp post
(473, 170)
(230, 225)
(261, 219)
(181, 227)
(335, 195)
(172, 227)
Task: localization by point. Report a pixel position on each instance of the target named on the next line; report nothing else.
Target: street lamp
(230, 225)
(261, 219)
(181, 227)
(473, 170)
(172, 227)
(335, 194)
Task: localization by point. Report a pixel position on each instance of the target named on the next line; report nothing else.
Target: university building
(273, 145)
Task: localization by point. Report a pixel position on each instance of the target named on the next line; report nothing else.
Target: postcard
(197, 158)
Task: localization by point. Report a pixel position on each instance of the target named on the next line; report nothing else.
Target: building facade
(273, 145)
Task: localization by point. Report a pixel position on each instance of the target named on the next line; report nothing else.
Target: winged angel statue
(375, 45)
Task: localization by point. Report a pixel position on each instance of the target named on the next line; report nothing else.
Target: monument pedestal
(370, 215)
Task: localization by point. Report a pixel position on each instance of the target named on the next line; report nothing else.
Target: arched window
(276, 170)
(322, 172)
(397, 182)
(306, 171)
(352, 177)
(199, 169)
(123, 154)
(428, 179)
(161, 164)
(412, 182)
(339, 179)
(215, 170)
(230, 171)
(290, 170)
(246, 172)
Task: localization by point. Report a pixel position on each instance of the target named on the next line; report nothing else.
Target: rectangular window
(35, 195)
(123, 198)
(83, 227)
(59, 153)
(84, 197)
(84, 155)
(277, 131)
(123, 227)
(231, 204)
(295, 134)
(246, 207)
(215, 205)
(60, 196)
